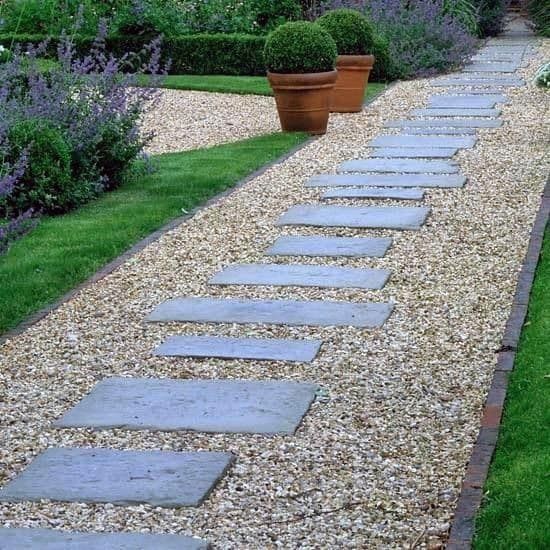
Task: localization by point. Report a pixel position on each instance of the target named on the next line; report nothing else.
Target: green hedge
(229, 54)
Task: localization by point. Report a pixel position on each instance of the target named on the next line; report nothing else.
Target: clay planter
(303, 100)
(353, 76)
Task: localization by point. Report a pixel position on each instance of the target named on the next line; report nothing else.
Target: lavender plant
(71, 132)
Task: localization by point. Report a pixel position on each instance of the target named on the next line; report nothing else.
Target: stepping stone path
(318, 246)
(159, 478)
(302, 275)
(397, 168)
(387, 193)
(272, 349)
(369, 217)
(273, 312)
(49, 539)
(216, 406)
(387, 180)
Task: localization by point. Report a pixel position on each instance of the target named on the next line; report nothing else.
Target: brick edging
(463, 525)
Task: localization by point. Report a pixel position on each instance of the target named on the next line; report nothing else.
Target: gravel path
(380, 461)
(184, 120)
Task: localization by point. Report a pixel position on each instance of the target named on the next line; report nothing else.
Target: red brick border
(463, 526)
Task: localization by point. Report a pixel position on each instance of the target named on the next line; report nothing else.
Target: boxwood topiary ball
(352, 31)
(300, 47)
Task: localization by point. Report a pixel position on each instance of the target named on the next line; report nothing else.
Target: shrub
(464, 11)
(351, 31)
(491, 17)
(540, 13)
(46, 185)
(300, 47)
(542, 77)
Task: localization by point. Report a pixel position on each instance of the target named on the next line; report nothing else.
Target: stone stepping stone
(367, 217)
(399, 165)
(493, 82)
(387, 180)
(439, 132)
(261, 349)
(450, 123)
(304, 275)
(211, 406)
(375, 193)
(319, 246)
(465, 101)
(480, 91)
(159, 478)
(413, 152)
(446, 112)
(423, 142)
(274, 312)
(50, 539)
(491, 68)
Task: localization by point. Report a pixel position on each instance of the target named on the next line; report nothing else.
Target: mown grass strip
(255, 85)
(516, 509)
(64, 251)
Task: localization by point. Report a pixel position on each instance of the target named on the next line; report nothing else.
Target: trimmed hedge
(351, 30)
(229, 54)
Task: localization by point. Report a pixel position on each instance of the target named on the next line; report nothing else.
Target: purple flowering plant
(70, 131)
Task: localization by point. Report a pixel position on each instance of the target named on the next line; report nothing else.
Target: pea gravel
(378, 461)
(184, 120)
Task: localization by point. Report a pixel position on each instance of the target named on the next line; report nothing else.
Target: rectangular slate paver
(387, 180)
(394, 193)
(368, 217)
(50, 539)
(473, 101)
(413, 152)
(446, 112)
(159, 478)
(481, 67)
(448, 123)
(399, 165)
(211, 406)
(261, 349)
(274, 312)
(321, 246)
(439, 131)
(320, 276)
(493, 82)
(461, 142)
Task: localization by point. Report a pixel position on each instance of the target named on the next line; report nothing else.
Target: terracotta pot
(353, 76)
(303, 100)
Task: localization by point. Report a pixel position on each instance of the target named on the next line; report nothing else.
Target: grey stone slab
(439, 131)
(320, 276)
(387, 180)
(262, 349)
(422, 142)
(475, 101)
(50, 539)
(212, 406)
(394, 193)
(317, 245)
(479, 90)
(273, 312)
(436, 112)
(413, 152)
(159, 478)
(399, 166)
(448, 123)
(496, 67)
(368, 217)
(490, 82)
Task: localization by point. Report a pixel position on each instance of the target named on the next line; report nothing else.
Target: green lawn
(64, 251)
(256, 85)
(516, 509)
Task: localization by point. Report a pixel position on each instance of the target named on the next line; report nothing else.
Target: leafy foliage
(300, 47)
(542, 78)
(351, 31)
(539, 10)
(491, 17)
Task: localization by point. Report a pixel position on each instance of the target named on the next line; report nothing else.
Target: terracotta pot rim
(302, 80)
(355, 62)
